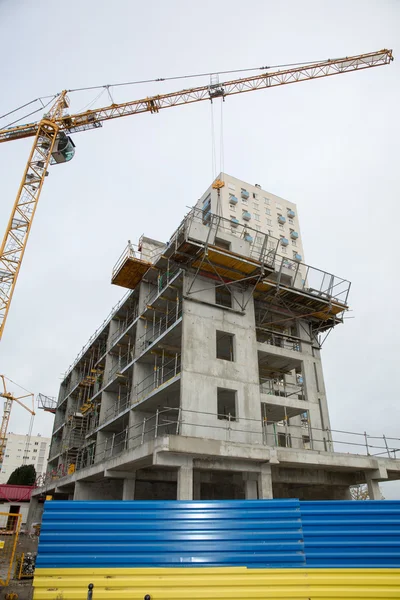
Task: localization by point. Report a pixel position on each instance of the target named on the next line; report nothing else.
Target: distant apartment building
(36, 451)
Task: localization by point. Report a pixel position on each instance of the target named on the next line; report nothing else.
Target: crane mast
(48, 134)
(9, 398)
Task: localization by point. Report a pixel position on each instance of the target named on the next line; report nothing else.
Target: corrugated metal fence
(351, 534)
(219, 549)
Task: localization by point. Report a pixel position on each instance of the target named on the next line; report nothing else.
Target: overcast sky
(331, 146)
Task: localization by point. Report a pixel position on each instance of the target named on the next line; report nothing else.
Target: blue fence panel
(350, 534)
(250, 533)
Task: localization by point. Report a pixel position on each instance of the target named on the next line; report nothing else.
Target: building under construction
(205, 382)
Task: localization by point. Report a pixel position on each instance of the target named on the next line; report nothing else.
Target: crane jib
(52, 145)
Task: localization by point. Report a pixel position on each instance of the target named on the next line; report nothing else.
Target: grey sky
(330, 145)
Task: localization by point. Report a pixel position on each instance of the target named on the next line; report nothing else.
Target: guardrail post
(112, 444)
(126, 438)
(178, 421)
(386, 444)
(329, 436)
(366, 442)
(143, 429)
(156, 426)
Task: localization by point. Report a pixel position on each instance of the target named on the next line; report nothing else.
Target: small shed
(15, 499)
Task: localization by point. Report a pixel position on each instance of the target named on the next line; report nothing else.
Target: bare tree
(360, 492)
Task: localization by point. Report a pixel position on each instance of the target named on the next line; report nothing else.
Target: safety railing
(123, 326)
(260, 246)
(121, 404)
(161, 374)
(158, 327)
(163, 281)
(278, 340)
(145, 254)
(276, 387)
(300, 435)
(121, 362)
(313, 281)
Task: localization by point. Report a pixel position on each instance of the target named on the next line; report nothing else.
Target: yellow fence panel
(10, 525)
(232, 583)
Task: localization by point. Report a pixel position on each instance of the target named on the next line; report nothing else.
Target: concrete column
(35, 513)
(197, 485)
(265, 482)
(185, 480)
(128, 489)
(250, 489)
(374, 489)
(82, 491)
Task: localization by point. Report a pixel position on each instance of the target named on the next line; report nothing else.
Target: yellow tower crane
(52, 144)
(9, 398)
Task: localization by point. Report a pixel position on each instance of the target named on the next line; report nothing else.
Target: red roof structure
(15, 493)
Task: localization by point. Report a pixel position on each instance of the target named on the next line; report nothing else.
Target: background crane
(9, 398)
(52, 144)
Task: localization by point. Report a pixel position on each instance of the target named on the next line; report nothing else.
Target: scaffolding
(131, 266)
(202, 244)
(47, 403)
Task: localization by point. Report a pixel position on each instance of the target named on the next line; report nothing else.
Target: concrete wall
(203, 373)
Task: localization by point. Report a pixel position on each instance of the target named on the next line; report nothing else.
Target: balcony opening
(226, 404)
(225, 346)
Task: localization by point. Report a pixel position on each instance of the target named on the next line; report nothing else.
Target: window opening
(223, 297)
(225, 345)
(226, 404)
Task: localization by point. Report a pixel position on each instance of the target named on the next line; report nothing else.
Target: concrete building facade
(206, 381)
(20, 449)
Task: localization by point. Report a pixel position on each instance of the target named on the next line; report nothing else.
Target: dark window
(225, 345)
(306, 442)
(222, 244)
(226, 400)
(284, 440)
(223, 296)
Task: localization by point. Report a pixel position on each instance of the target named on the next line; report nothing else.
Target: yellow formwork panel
(236, 583)
(130, 272)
